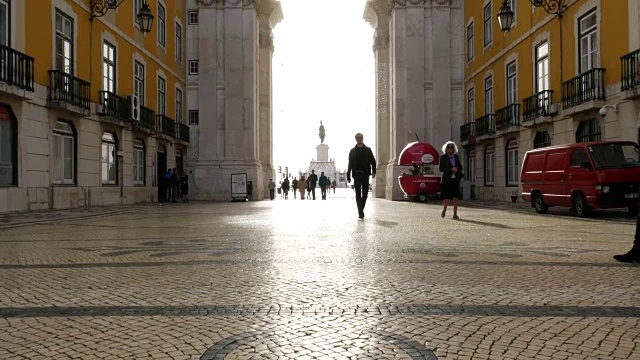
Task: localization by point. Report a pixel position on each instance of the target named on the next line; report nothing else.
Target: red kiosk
(419, 181)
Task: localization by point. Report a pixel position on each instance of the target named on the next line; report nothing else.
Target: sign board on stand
(239, 187)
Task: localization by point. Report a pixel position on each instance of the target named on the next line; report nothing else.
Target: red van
(583, 176)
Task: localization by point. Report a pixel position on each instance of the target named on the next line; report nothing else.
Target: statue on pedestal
(322, 133)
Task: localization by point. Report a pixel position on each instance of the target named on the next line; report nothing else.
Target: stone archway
(418, 47)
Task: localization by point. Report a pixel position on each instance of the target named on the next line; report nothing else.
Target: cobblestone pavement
(308, 280)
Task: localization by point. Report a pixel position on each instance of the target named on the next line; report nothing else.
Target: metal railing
(585, 87)
(114, 105)
(182, 132)
(16, 68)
(630, 70)
(165, 125)
(508, 116)
(69, 89)
(537, 105)
(147, 119)
(486, 125)
(467, 130)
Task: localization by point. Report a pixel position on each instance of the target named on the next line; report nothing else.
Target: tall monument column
(377, 14)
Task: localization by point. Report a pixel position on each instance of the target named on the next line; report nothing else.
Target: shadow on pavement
(483, 223)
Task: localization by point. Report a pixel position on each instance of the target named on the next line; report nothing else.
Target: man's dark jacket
(313, 179)
(446, 168)
(361, 160)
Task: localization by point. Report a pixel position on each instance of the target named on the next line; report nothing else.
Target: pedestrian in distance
(272, 189)
(302, 186)
(167, 184)
(451, 169)
(285, 188)
(308, 187)
(175, 183)
(323, 182)
(362, 164)
(333, 185)
(313, 181)
(185, 189)
(294, 186)
(634, 254)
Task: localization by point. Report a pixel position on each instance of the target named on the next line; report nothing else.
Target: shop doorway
(179, 162)
(161, 161)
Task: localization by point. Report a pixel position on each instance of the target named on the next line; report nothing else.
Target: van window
(578, 156)
(535, 163)
(615, 155)
(556, 161)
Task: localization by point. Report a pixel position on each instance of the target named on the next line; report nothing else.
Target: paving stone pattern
(308, 280)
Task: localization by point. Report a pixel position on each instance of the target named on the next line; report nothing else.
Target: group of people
(303, 185)
(176, 187)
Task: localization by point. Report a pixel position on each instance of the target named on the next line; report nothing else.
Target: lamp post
(101, 7)
(506, 15)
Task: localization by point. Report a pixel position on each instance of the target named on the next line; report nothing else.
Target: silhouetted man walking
(362, 164)
(313, 181)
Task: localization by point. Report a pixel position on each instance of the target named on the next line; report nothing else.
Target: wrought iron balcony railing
(16, 68)
(585, 87)
(69, 89)
(507, 117)
(467, 130)
(537, 105)
(165, 125)
(147, 120)
(182, 132)
(630, 70)
(486, 125)
(114, 105)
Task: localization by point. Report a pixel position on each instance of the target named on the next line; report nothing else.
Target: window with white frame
(8, 150)
(108, 160)
(5, 29)
(138, 162)
(488, 25)
(109, 67)
(194, 117)
(514, 8)
(162, 96)
(137, 6)
(178, 42)
(64, 43)
(471, 166)
(512, 83)
(63, 167)
(162, 25)
(471, 105)
(542, 139)
(588, 43)
(542, 67)
(470, 40)
(194, 68)
(138, 81)
(513, 174)
(178, 106)
(489, 165)
(193, 18)
(488, 95)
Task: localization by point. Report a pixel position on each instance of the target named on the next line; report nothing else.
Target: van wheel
(580, 206)
(422, 197)
(538, 203)
(633, 210)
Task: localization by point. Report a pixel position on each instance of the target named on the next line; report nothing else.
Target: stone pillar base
(211, 181)
(393, 186)
(380, 189)
(268, 172)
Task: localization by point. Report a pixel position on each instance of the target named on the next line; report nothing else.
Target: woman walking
(302, 186)
(451, 169)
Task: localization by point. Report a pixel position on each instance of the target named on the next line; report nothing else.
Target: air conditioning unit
(553, 109)
(135, 107)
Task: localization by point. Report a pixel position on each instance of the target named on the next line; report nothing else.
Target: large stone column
(377, 14)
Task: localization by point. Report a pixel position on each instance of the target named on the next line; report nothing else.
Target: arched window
(138, 162)
(8, 147)
(109, 156)
(542, 139)
(513, 173)
(588, 130)
(63, 170)
(489, 165)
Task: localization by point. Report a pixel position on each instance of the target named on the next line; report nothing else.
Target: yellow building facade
(547, 81)
(94, 106)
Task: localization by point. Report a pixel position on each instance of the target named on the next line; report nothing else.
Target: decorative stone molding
(207, 2)
(240, 3)
(381, 40)
(393, 3)
(266, 40)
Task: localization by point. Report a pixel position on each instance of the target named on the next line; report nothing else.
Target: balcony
(537, 105)
(586, 89)
(67, 92)
(508, 119)
(630, 73)
(468, 133)
(147, 123)
(165, 127)
(16, 72)
(486, 126)
(115, 109)
(183, 133)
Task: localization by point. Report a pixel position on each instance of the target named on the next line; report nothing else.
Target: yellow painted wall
(613, 43)
(39, 44)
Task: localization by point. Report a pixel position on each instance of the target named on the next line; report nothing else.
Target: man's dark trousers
(361, 182)
(313, 192)
(272, 194)
(323, 191)
(636, 242)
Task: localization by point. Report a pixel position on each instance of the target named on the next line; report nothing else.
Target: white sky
(323, 69)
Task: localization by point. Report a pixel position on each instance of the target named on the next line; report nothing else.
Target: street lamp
(506, 16)
(145, 17)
